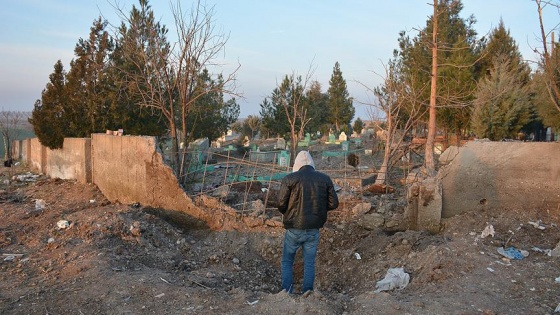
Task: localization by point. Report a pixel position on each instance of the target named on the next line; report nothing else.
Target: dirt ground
(67, 250)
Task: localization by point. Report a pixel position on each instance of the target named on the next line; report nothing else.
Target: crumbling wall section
(130, 170)
(73, 161)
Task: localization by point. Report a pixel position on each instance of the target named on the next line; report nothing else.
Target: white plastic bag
(395, 278)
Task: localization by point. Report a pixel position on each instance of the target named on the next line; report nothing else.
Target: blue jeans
(308, 240)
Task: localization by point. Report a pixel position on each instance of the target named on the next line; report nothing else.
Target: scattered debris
(252, 303)
(555, 252)
(28, 177)
(540, 250)
(512, 253)
(379, 189)
(488, 231)
(395, 278)
(537, 225)
(358, 257)
(40, 204)
(62, 224)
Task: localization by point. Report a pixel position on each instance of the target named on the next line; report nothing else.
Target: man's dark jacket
(305, 197)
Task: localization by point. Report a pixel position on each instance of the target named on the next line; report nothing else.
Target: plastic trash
(555, 252)
(40, 204)
(488, 231)
(511, 253)
(395, 278)
(358, 257)
(62, 224)
(537, 225)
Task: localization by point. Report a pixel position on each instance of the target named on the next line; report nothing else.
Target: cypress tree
(341, 109)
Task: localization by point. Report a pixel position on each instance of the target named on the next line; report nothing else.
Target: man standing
(305, 197)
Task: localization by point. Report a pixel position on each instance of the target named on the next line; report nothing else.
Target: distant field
(24, 129)
(21, 134)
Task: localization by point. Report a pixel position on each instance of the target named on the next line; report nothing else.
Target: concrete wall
(25, 149)
(73, 161)
(486, 175)
(130, 169)
(17, 149)
(37, 155)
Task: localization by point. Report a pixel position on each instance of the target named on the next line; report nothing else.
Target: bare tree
(292, 102)
(550, 66)
(401, 106)
(198, 47)
(165, 75)
(9, 127)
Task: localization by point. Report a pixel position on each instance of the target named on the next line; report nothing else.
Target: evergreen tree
(540, 87)
(502, 104)
(457, 46)
(501, 50)
(500, 44)
(276, 109)
(341, 109)
(49, 119)
(285, 112)
(211, 115)
(358, 125)
(318, 108)
(268, 114)
(140, 34)
(89, 88)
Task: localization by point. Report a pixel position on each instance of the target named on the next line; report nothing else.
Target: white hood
(303, 158)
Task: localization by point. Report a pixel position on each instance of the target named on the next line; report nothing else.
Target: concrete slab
(486, 175)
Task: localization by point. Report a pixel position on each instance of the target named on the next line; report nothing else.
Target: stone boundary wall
(127, 169)
(37, 155)
(130, 169)
(73, 161)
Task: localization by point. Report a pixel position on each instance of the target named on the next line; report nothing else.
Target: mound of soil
(67, 250)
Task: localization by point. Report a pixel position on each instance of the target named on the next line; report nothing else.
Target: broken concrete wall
(425, 205)
(130, 169)
(486, 175)
(73, 161)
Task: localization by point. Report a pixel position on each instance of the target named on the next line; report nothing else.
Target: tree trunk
(6, 147)
(384, 168)
(429, 153)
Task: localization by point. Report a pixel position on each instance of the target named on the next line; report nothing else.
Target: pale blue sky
(268, 38)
